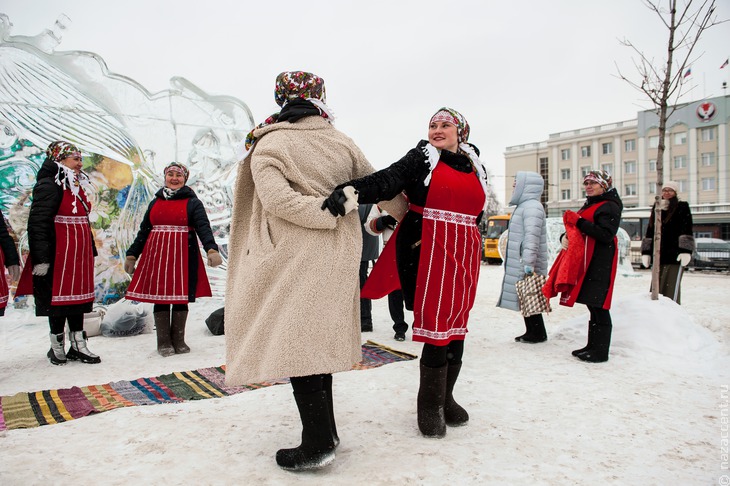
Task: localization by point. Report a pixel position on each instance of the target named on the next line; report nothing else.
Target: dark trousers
(58, 323)
(395, 306)
(366, 306)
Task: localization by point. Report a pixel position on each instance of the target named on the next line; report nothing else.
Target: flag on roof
(688, 72)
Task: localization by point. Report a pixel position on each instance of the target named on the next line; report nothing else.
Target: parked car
(711, 254)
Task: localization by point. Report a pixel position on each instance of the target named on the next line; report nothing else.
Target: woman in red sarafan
(585, 270)
(170, 270)
(8, 258)
(60, 269)
(434, 255)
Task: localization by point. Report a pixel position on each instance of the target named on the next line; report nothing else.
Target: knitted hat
(177, 167)
(673, 185)
(452, 116)
(601, 177)
(59, 150)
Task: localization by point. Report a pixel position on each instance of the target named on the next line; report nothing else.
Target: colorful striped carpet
(25, 410)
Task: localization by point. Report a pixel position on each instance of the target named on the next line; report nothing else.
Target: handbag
(529, 294)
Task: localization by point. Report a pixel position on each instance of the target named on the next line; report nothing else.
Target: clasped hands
(341, 201)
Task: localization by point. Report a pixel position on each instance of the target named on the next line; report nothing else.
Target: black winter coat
(598, 279)
(677, 236)
(407, 176)
(7, 245)
(47, 196)
(197, 220)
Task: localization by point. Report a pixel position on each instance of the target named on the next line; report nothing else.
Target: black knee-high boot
(535, 328)
(327, 387)
(431, 400)
(599, 335)
(454, 414)
(588, 344)
(317, 449)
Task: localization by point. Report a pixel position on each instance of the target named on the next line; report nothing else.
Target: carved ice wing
(43, 100)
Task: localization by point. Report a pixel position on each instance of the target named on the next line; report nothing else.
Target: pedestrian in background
(677, 242)
(526, 251)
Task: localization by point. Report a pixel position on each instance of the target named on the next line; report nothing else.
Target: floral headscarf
(292, 85)
(177, 167)
(455, 118)
(462, 130)
(66, 177)
(59, 150)
(601, 177)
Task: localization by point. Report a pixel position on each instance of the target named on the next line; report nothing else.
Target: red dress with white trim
(73, 262)
(161, 277)
(73, 267)
(450, 259)
(4, 291)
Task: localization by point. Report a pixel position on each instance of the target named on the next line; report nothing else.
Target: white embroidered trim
(170, 229)
(457, 331)
(69, 298)
(71, 219)
(449, 216)
(156, 297)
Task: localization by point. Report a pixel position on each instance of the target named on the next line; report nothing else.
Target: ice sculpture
(127, 135)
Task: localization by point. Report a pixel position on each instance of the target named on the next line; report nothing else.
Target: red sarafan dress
(71, 275)
(161, 277)
(4, 291)
(448, 269)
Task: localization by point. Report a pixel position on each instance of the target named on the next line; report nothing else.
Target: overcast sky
(518, 71)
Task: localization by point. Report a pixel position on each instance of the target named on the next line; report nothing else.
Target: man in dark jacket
(677, 243)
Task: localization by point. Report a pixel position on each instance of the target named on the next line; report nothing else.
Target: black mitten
(387, 221)
(335, 203)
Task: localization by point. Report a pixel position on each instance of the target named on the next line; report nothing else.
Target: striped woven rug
(25, 410)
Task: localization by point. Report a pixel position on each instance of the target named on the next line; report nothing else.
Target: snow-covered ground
(655, 413)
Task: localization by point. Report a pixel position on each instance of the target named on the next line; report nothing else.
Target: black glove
(335, 203)
(386, 221)
(421, 146)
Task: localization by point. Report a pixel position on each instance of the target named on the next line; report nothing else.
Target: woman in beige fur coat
(292, 296)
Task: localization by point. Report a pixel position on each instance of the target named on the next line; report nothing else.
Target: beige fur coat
(292, 294)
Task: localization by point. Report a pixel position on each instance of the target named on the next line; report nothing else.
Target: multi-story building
(696, 156)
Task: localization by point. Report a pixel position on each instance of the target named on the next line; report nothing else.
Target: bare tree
(663, 83)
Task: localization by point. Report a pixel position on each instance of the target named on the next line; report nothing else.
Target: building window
(680, 162)
(607, 148)
(607, 168)
(652, 165)
(682, 185)
(565, 194)
(565, 154)
(630, 190)
(585, 170)
(629, 145)
(652, 188)
(585, 151)
(680, 138)
(708, 159)
(565, 174)
(707, 134)
(630, 167)
(708, 183)
(654, 141)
